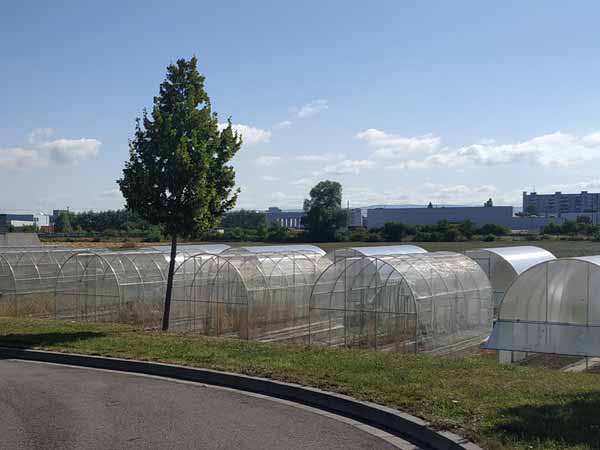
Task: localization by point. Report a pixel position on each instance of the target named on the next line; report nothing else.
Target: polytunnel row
(395, 297)
(30, 275)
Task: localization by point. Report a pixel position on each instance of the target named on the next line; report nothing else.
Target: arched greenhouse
(253, 295)
(123, 287)
(27, 279)
(553, 307)
(408, 303)
(504, 264)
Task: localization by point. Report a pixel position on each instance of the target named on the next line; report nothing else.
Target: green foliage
(177, 175)
(63, 223)
(98, 222)
(488, 238)
(324, 213)
(492, 228)
(277, 233)
(154, 235)
(244, 218)
(467, 229)
(582, 226)
(394, 231)
(584, 219)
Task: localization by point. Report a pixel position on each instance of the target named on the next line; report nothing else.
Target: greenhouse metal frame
(503, 265)
(427, 302)
(123, 287)
(27, 279)
(255, 296)
(553, 307)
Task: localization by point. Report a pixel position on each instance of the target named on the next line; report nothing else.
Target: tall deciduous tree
(324, 213)
(178, 175)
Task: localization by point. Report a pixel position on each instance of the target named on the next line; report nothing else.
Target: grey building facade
(558, 203)
(6, 219)
(377, 217)
(499, 215)
(289, 219)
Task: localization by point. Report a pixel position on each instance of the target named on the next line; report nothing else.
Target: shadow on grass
(569, 420)
(46, 339)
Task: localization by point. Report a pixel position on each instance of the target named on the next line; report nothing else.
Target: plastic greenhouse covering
(409, 303)
(300, 248)
(253, 295)
(381, 250)
(504, 264)
(125, 287)
(27, 280)
(192, 249)
(553, 307)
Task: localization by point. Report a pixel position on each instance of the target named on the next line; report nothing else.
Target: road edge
(388, 419)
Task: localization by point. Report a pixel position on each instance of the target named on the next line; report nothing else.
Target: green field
(499, 407)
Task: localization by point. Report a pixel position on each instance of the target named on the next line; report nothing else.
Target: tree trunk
(167, 312)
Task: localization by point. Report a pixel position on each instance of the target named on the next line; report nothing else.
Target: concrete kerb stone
(388, 419)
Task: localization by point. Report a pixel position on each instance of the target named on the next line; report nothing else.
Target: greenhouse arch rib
(97, 255)
(12, 272)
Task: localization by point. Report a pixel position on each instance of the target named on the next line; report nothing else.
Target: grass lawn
(497, 406)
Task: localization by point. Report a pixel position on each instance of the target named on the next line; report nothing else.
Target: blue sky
(402, 102)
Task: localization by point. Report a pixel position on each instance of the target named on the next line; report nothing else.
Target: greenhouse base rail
(395, 422)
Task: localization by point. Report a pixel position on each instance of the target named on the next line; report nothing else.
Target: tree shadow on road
(572, 420)
(46, 339)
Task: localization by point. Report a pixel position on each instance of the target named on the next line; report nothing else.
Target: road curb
(388, 419)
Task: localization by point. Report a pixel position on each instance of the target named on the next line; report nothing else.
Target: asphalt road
(49, 407)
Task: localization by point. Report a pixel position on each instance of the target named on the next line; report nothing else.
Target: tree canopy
(178, 175)
(244, 218)
(324, 213)
(63, 223)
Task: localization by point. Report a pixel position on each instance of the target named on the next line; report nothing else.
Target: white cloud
(269, 178)
(111, 193)
(267, 160)
(284, 124)
(250, 135)
(554, 149)
(349, 166)
(71, 151)
(390, 146)
(41, 154)
(320, 157)
(438, 194)
(20, 158)
(312, 108)
(40, 134)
